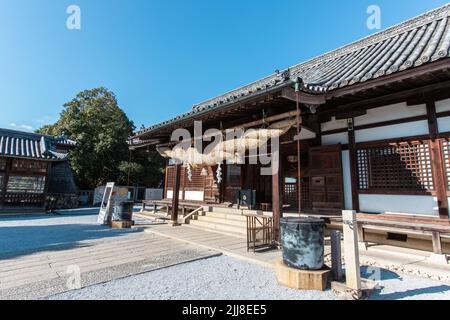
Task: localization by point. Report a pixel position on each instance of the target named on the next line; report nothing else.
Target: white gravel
(226, 278)
(221, 278)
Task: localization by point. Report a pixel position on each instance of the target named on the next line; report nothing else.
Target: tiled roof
(32, 145)
(413, 43)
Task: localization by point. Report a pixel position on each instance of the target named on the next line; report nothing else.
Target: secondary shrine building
(35, 173)
(374, 123)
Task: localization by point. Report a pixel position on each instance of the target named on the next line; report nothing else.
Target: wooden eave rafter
(327, 100)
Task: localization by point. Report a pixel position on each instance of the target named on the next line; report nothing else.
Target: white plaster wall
(337, 138)
(419, 205)
(443, 105)
(347, 180)
(334, 124)
(170, 194)
(391, 112)
(194, 195)
(444, 124)
(306, 134)
(393, 131)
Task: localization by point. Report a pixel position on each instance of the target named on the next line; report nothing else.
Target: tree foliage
(101, 129)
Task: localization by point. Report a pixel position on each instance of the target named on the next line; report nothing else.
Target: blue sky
(160, 57)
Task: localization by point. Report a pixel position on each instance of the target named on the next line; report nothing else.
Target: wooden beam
(268, 119)
(432, 120)
(437, 160)
(176, 194)
(305, 98)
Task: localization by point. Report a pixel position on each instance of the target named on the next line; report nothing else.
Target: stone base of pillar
(441, 259)
(174, 223)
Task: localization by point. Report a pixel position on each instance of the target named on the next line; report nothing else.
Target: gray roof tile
(418, 41)
(31, 145)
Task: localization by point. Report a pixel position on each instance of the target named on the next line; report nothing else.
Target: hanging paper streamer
(189, 171)
(219, 174)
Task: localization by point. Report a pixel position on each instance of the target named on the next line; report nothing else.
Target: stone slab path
(51, 264)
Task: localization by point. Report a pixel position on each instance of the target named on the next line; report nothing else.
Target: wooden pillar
(353, 166)
(437, 161)
(176, 194)
(277, 202)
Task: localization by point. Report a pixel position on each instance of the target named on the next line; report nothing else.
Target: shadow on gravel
(16, 241)
(410, 293)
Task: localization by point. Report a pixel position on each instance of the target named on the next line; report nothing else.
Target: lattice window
(446, 152)
(25, 184)
(405, 166)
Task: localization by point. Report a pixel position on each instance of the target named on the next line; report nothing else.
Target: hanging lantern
(204, 172)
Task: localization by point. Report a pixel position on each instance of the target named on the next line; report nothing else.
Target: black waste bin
(302, 240)
(123, 211)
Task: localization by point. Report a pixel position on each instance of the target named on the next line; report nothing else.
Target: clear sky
(160, 57)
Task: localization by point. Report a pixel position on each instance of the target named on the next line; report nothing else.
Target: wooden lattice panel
(30, 166)
(446, 153)
(405, 166)
(197, 182)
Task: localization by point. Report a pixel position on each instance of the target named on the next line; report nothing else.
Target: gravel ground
(225, 278)
(219, 278)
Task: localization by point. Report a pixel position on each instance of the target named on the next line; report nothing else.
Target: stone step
(215, 219)
(225, 210)
(214, 226)
(226, 233)
(226, 216)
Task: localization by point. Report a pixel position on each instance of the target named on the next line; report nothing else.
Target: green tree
(101, 129)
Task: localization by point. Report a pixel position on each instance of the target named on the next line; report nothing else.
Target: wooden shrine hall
(369, 130)
(35, 173)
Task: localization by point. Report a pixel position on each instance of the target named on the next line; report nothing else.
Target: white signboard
(105, 208)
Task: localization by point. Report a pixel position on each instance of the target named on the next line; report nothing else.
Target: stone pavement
(50, 269)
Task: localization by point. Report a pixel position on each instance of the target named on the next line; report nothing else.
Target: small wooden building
(35, 173)
(374, 123)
